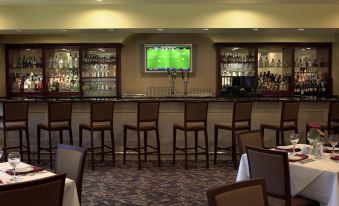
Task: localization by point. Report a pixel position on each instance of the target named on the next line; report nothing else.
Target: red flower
(314, 125)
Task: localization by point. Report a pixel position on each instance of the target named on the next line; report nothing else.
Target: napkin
(35, 169)
(335, 157)
(302, 157)
(288, 148)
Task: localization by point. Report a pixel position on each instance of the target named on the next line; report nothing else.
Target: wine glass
(310, 138)
(294, 138)
(332, 138)
(14, 160)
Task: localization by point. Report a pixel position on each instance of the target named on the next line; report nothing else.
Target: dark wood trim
(245, 133)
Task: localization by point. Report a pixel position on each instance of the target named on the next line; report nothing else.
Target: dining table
(6, 177)
(315, 178)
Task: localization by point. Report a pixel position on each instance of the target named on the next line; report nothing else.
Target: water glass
(294, 138)
(333, 140)
(14, 160)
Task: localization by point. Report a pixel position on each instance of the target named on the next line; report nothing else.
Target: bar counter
(265, 110)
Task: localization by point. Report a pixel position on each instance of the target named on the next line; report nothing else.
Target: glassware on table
(14, 160)
(332, 139)
(310, 138)
(294, 138)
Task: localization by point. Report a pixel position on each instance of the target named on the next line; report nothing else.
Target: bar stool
(195, 119)
(147, 120)
(15, 118)
(101, 121)
(332, 119)
(241, 121)
(288, 121)
(59, 119)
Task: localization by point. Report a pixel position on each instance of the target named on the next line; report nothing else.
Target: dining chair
(41, 192)
(71, 160)
(249, 138)
(15, 118)
(195, 120)
(147, 120)
(101, 120)
(288, 121)
(59, 120)
(249, 192)
(273, 166)
(241, 121)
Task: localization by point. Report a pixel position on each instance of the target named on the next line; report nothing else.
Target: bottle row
(96, 58)
(27, 62)
(64, 60)
(237, 58)
(271, 63)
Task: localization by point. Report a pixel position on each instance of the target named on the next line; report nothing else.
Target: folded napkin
(35, 169)
(300, 157)
(287, 148)
(329, 149)
(335, 157)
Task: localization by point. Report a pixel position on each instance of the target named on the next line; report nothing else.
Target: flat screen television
(164, 57)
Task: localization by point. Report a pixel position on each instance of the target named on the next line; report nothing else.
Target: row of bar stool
(195, 119)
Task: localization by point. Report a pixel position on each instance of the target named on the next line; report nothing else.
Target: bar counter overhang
(265, 110)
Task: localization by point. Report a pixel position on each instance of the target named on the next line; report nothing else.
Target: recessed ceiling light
(301, 29)
(99, 0)
(255, 29)
(303, 49)
(64, 30)
(28, 49)
(308, 48)
(160, 29)
(205, 29)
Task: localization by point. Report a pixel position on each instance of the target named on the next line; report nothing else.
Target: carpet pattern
(125, 185)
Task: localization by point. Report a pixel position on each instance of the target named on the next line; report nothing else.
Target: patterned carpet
(124, 185)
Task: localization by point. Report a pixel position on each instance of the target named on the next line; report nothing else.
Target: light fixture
(160, 29)
(63, 30)
(205, 29)
(255, 29)
(308, 48)
(302, 49)
(28, 49)
(99, 0)
(235, 48)
(301, 29)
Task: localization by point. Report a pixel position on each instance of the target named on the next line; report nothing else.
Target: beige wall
(135, 80)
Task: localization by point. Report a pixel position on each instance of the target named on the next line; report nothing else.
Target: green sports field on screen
(168, 57)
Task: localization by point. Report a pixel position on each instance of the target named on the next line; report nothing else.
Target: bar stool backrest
(289, 112)
(148, 111)
(333, 113)
(102, 112)
(60, 111)
(249, 138)
(242, 111)
(15, 112)
(196, 112)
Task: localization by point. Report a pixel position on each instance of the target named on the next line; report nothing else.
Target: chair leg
(61, 135)
(102, 145)
(215, 144)
(38, 145)
(277, 140)
(206, 147)
(139, 154)
(145, 145)
(185, 132)
(234, 150)
(20, 140)
(28, 146)
(80, 136)
(125, 144)
(158, 146)
(70, 133)
(113, 147)
(5, 144)
(92, 149)
(282, 137)
(174, 143)
(50, 149)
(196, 145)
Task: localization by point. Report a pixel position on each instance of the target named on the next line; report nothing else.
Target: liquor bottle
(34, 62)
(60, 63)
(266, 62)
(76, 61)
(272, 64)
(279, 63)
(260, 62)
(55, 61)
(70, 61)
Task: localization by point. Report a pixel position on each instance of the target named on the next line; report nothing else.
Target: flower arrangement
(315, 130)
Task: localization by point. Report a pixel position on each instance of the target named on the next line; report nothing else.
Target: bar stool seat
(59, 119)
(101, 120)
(288, 121)
(195, 120)
(147, 120)
(241, 121)
(15, 118)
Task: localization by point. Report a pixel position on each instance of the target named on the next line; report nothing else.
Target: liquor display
(311, 75)
(99, 72)
(274, 69)
(236, 62)
(25, 71)
(62, 72)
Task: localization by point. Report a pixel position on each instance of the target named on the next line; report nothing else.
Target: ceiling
(43, 2)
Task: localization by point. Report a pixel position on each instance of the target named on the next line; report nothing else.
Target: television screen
(164, 57)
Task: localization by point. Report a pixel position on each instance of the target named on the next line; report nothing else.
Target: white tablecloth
(317, 180)
(70, 191)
